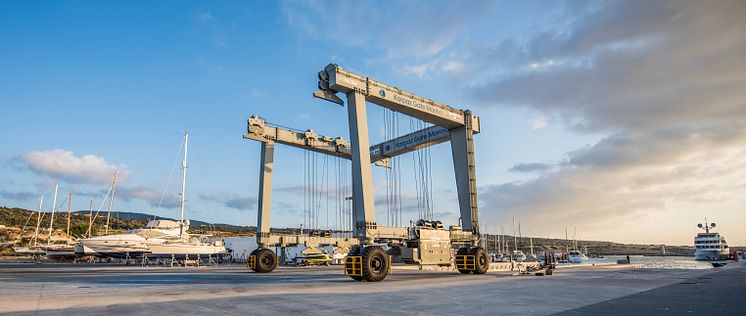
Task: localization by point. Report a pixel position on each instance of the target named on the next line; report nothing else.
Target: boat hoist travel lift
(427, 243)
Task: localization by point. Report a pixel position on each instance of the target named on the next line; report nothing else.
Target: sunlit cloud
(65, 165)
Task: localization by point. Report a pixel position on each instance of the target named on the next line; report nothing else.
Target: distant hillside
(593, 246)
(122, 221)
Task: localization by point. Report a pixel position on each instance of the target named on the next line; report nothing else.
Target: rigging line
(304, 188)
(101, 206)
(336, 195)
(397, 171)
(414, 168)
(315, 190)
(321, 191)
(170, 175)
(388, 171)
(326, 168)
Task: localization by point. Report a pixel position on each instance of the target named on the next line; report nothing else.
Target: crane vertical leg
(263, 259)
(462, 148)
(265, 193)
(364, 216)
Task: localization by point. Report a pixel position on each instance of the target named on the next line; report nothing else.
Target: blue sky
(577, 128)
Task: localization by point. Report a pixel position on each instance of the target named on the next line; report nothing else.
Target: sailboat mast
(69, 206)
(498, 242)
(38, 220)
(111, 201)
(90, 218)
(51, 219)
(515, 239)
(575, 237)
(183, 182)
(520, 236)
(566, 240)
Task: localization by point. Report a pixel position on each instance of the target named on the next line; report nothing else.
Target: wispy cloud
(204, 16)
(413, 29)
(17, 196)
(231, 200)
(539, 122)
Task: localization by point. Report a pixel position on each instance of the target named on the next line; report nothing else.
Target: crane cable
(422, 163)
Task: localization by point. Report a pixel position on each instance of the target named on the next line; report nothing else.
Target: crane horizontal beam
(423, 138)
(335, 79)
(260, 131)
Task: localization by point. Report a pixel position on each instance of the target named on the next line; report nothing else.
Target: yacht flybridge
(160, 238)
(710, 246)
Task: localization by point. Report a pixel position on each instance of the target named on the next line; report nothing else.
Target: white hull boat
(710, 246)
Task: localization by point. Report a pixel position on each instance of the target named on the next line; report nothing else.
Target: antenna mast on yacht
(38, 219)
(183, 182)
(707, 226)
(111, 201)
(51, 219)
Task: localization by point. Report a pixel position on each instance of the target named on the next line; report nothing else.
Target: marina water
(245, 245)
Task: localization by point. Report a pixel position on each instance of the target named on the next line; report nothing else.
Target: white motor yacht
(518, 256)
(710, 246)
(575, 256)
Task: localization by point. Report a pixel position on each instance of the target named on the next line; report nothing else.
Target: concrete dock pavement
(60, 289)
(721, 292)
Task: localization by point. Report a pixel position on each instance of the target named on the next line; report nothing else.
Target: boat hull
(182, 251)
(112, 248)
(710, 255)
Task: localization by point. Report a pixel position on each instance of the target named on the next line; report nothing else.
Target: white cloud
(663, 81)
(65, 165)
(539, 122)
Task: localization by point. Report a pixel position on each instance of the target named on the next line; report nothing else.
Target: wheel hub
(376, 264)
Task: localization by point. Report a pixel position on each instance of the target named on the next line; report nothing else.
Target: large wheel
(463, 251)
(355, 251)
(266, 260)
(375, 264)
(483, 262)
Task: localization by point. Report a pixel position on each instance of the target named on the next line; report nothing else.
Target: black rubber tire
(463, 251)
(375, 264)
(483, 262)
(253, 253)
(266, 260)
(355, 251)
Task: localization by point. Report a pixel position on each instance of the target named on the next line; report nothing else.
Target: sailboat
(161, 238)
(33, 247)
(574, 255)
(184, 245)
(58, 247)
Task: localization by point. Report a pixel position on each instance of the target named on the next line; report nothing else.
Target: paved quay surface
(67, 289)
(722, 292)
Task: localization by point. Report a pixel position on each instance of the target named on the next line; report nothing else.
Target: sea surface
(663, 262)
(244, 246)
